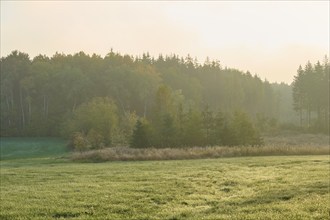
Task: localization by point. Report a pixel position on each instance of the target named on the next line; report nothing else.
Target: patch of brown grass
(129, 154)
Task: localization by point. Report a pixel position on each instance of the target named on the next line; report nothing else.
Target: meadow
(51, 186)
(18, 148)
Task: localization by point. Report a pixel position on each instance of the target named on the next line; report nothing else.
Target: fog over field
(270, 39)
(164, 110)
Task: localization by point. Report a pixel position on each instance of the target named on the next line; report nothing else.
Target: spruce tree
(140, 136)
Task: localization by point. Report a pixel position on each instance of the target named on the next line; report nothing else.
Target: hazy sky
(268, 38)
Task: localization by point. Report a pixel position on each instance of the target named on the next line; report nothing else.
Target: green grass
(275, 187)
(13, 148)
(38, 181)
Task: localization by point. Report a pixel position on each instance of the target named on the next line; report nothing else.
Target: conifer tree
(140, 135)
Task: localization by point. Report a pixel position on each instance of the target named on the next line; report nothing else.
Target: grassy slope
(286, 187)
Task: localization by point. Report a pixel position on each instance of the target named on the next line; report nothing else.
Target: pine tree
(168, 132)
(140, 135)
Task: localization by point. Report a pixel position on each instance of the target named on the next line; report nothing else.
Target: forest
(169, 101)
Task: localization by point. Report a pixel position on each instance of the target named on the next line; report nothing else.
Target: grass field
(15, 148)
(273, 187)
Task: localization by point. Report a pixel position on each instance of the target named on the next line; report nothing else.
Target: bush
(78, 142)
(96, 121)
(95, 140)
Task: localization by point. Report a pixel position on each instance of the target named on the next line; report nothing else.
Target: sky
(267, 38)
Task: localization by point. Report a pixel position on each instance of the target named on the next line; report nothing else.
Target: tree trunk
(121, 104)
(319, 118)
(44, 105)
(47, 107)
(22, 109)
(301, 118)
(8, 109)
(30, 111)
(74, 105)
(145, 109)
(309, 116)
(326, 121)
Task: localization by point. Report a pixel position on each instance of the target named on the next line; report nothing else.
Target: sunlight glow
(270, 39)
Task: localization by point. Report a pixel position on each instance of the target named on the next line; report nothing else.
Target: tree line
(311, 96)
(112, 99)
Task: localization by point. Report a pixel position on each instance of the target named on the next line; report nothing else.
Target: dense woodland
(145, 101)
(311, 95)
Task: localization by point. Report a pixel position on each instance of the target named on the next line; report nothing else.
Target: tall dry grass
(283, 144)
(126, 153)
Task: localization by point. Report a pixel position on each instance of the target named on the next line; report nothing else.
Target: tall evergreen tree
(140, 138)
(311, 96)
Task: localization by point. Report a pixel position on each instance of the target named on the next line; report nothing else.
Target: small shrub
(95, 140)
(79, 142)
